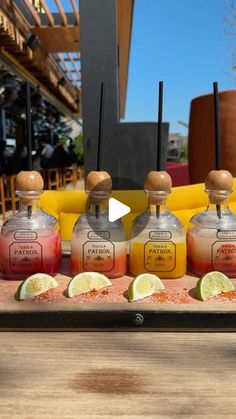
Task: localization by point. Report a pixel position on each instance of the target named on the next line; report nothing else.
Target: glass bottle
(30, 240)
(158, 243)
(211, 236)
(98, 245)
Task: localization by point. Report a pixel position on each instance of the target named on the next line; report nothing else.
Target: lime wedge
(35, 285)
(143, 286)
(87, 281)
(211, 284)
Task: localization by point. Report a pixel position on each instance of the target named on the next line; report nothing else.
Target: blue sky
(183, 43)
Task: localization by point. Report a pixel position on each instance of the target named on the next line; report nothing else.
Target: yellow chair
(184, 202)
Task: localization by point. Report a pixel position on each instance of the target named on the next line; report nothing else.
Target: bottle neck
(218, 201)
(98, 203)
(29, 201)
(223, 206)
(157, 201)
(161, 208)
(24, 204)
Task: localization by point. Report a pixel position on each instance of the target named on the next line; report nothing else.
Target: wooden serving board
(172, 309)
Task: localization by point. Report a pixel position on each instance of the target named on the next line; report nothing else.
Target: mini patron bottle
(211, 236)
(98, 244)
(30, 240)
(158, 243)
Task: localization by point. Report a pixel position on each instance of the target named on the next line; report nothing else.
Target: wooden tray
(174, 309)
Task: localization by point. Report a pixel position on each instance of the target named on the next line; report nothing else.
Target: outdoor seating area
(60, 178)
(57, 178)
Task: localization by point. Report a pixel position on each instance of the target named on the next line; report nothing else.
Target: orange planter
(201, 134)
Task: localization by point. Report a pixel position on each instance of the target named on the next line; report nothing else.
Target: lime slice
(35, 285)
(143, 286)
(87, 281)
(211, 284)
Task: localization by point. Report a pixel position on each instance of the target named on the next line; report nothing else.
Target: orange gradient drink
(101, 256)
(165, 259)
(158, 243)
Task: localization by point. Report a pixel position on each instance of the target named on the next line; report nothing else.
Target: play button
(102, 225)
(117, 209)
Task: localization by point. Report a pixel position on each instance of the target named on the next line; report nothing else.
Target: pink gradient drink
(26, 252)
(211, 236)
(30, 240)
(212, 250)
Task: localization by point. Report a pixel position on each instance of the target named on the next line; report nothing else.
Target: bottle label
(98, 235)
(25, 235)
(99, 256)
(160, 235)
(226, 234)
(25, 256)
(160, 256)
(223, 255)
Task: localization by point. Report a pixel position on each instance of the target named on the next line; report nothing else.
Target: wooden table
(117, 374)
(121, 374)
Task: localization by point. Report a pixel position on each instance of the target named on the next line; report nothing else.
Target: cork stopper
(98, 181)
(219, 180)
(29, 181)
(159, 182)
(29, 185)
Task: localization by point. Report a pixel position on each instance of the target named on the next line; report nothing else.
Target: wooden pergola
(54, 61)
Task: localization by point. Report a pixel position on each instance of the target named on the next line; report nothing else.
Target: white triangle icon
(117, 209)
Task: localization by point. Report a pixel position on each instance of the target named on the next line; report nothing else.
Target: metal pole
(3, 124)
(99, 63)
(28, 125)
(51, 136)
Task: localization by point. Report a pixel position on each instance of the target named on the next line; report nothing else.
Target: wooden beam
(67, 68)
(33, 12)
(10, 35)
(61, 11)
(76, 11)
(58, 38)
(38, 63)
(74, 65)
(47, 12)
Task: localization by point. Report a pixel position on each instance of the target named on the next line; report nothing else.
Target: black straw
(157, 211)
(159, 137)
(217, 127)
(159, 127)
(100, 128)
(217, 137)
(100, 132)
(28, 125)
(29, 211)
